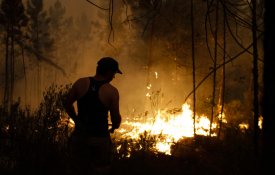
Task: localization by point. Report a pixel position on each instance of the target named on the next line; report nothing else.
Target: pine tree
(12, 20)
(40, 39)
(57, 14)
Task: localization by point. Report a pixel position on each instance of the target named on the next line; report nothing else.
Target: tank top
(92, 114)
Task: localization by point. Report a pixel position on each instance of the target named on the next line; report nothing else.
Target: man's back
(92, 113)
(107, 94)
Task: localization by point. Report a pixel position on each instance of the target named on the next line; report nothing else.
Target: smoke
(85, 37)
(156, 62)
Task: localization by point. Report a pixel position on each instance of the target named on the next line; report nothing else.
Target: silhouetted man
(96, 98)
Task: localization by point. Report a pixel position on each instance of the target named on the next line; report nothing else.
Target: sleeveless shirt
(92, 114)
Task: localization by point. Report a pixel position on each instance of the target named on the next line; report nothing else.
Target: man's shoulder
(109, 87)
(81, 82)
(83, 79)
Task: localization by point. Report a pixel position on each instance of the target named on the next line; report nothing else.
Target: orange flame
(171, 127)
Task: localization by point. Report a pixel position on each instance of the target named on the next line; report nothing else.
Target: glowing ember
(243, 126)
(156, 74)
(260, 123)
(171, 127)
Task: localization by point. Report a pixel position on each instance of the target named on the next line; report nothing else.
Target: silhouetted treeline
(36, 44)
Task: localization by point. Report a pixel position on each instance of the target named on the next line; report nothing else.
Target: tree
(72, 38)
(168, 22)
(57, 28)
(40, 39)
(13, 20)
(269, 86)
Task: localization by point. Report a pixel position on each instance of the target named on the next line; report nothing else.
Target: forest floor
(200, 159)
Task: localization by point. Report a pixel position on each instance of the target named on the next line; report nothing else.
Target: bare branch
(219, 66)
(41, 57)
(97, 5)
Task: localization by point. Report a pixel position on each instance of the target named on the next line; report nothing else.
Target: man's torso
(92, 113)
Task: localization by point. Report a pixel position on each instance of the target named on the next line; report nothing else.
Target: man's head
(107, 67)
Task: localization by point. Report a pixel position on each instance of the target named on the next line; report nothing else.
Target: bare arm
(71, 98)
(79, 88)
(114, 110)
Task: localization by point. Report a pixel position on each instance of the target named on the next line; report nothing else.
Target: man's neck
(99, 77)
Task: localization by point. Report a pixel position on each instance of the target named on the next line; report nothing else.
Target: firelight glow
(171, 127)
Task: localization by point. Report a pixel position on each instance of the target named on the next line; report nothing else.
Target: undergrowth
(36, 142)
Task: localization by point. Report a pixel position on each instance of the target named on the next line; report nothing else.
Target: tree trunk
(269, 86)
(7, 75)
(255, 75)
(193, 68)
(9, 69)
(25, 76)
(214, 69)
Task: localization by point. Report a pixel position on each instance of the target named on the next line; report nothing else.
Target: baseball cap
(109, 63)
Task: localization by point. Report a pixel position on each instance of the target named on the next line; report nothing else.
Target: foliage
(51, 114)
(30, 137)
(125, 148)
(12, 14)
(13, 20)
(38, 30)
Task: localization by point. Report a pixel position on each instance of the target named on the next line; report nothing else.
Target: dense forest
(196, 89)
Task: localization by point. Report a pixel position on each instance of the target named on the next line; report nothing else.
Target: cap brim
(118, 71)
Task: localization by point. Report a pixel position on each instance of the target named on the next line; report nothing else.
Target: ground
(213, 158)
